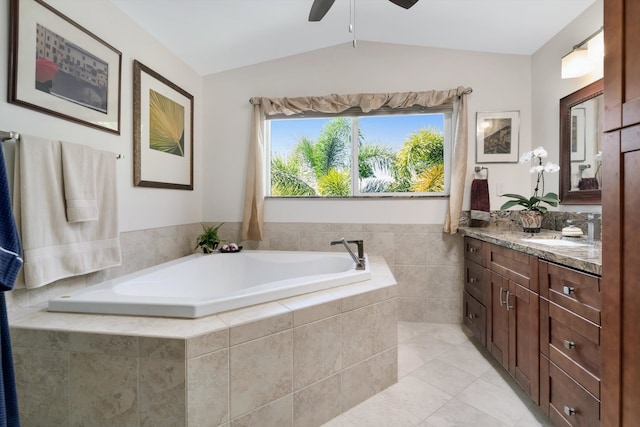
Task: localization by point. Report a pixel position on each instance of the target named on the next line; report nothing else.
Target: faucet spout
(359, 259)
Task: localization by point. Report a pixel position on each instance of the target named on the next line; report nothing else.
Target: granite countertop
(586, 257)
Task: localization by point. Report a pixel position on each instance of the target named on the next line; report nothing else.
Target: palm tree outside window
(406, 154)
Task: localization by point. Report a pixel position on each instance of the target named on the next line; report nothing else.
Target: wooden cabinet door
(622, 63)
(522, 307)
(498, 325)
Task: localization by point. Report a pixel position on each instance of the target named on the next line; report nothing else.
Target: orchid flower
(533, 203)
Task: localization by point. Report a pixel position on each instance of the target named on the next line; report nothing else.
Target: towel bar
(5, 136)
(479, 169)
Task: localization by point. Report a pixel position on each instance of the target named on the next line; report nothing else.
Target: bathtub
(200, 285)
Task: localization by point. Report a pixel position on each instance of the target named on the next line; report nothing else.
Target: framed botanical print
(162, 131)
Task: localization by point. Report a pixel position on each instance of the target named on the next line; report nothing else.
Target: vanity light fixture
(584, 55)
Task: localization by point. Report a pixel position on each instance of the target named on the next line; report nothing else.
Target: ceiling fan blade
(319, 8)
(404, 3)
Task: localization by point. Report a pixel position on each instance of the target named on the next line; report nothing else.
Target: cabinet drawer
(475, 281)
(569, 403)
(574, 345)
(516, 266)
(475, 317)
(474, 250)
(576, 291)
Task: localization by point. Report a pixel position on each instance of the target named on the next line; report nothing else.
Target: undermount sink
(553, 242)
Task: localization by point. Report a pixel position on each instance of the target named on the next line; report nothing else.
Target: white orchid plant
(534, 202)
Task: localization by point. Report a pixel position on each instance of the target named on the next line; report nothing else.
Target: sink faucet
(359, 260)
(594, 226)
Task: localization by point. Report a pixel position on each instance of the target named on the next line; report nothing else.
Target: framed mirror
(581, 115)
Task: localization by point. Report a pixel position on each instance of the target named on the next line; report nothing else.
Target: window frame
(355, 113)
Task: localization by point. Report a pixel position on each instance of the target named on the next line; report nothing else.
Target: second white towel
(79, 180)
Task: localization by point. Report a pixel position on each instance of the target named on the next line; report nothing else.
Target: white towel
(79, 178)
(52, 247)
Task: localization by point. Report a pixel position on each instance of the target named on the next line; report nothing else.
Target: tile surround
(225, 370)
(428, 290)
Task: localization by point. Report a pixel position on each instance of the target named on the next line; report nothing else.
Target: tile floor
(444, 380)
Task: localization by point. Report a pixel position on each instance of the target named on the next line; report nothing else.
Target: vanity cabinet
(513, 325)
(476, 288)
(570, 348)
(501, 308)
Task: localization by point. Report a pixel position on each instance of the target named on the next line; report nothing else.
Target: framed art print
(162, 131)
(497, 137)
(59, 68)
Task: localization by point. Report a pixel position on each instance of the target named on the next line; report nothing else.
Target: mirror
(580, 144)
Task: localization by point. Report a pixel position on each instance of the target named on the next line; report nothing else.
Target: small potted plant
(208, 240)
(531, 215)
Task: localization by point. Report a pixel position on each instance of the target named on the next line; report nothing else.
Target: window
(397, 154)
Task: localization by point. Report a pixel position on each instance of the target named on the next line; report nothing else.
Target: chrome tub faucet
(359, 260)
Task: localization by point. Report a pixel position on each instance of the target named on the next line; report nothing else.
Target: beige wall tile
(444, 249)
(42, 381)
(285, 240)
(208, 387)
(311, 307)
(317, 351)
(278, 413)
(411, 249)
(206, 343)
(120, 345)
(162, 392)
(103, 387)
(162, 348)
(443, 310)
(271, 360)
(318, 403)
(368, 330)
(39, 338)
(363, 380)
(257, 321)
(411, 280)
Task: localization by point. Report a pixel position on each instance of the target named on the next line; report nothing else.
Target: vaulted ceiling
(217, 35)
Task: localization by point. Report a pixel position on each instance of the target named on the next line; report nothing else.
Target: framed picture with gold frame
(162, 131)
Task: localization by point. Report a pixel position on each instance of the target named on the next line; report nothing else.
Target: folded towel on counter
(480, 200)
(79, 178)
(54, 248)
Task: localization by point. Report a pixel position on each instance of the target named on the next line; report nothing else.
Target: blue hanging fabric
(10, 264)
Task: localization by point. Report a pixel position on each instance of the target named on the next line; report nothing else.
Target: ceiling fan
(319, 8)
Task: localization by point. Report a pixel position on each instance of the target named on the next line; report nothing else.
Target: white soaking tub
(200, 285)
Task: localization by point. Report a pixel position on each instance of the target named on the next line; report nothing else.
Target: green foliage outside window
(322, 167)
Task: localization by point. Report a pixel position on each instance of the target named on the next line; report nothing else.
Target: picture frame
(497, 137)
(162, 131)
(578, 134)
(81, 84)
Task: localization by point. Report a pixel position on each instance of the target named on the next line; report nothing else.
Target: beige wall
(499, 82)
(547, 87)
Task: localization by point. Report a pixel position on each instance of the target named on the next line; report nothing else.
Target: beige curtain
(459, 165)
(252, 227)
(253, 215)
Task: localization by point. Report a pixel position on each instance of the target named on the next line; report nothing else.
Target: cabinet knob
(472, 280)
(473, 250)
(569, 411)
(568, 290)
(472, 316)
(569, 344)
